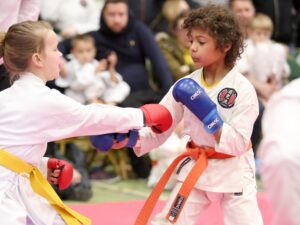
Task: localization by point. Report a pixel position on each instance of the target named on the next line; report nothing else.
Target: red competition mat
(125, 213)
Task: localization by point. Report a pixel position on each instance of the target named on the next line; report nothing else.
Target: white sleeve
(91, 22)
(50, 10)
(62, 117)
(43, 166)
(29, 10)
(236, 133)
(242, 64)
(150, 140)
(279, 125)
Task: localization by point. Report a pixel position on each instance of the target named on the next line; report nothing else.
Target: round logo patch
(226, 97)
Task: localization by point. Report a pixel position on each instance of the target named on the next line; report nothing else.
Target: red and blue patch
(227, 97)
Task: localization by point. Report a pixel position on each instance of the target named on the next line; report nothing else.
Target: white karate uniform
(31, 115)
(280, 155)
(83, 84)
(223, 179)
(69, 13)
(261, 60)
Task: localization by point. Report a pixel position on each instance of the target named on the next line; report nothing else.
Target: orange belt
(201, 155)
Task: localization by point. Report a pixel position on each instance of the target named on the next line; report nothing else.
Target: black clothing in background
(280, 12)
(4, 78)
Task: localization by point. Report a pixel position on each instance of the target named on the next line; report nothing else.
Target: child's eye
(201, 42)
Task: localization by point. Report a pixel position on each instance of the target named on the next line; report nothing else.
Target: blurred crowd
(129, 53)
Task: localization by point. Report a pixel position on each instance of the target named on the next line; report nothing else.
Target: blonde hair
(82, 37)
(19, 43)
(172, 8)
(262, 21)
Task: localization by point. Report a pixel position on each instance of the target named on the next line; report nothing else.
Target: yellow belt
(42, 187)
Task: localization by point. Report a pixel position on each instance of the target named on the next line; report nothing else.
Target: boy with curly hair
(218, 106)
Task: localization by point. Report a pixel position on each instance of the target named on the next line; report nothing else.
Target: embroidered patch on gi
(226, 97)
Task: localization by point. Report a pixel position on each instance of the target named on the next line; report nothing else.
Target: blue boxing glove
(189, 93)
(106, 142)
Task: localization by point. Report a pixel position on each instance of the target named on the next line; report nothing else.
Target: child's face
(181, 34)
(259, 35)
(84, 51)
(203, 49)
(51, 57)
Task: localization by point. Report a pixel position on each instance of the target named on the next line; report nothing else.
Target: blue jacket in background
(133, 46)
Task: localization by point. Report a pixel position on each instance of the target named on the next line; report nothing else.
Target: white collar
(31, 76)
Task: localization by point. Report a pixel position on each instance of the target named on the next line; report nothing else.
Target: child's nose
(193, 47)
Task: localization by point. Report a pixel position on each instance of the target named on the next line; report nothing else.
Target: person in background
(150, 12)
(264, 62)
(283, 16)
(12, 12)
(88, 80)
(175, 47)
(280, 156)
(140, 61)
(244, 11)
(133, 43)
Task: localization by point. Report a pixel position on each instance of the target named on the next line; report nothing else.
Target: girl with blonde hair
(32, 115)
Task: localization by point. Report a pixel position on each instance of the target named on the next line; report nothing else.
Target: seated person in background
(175, 47)
(133, 43)
(88, 80)
(150, 12)
(264, 62)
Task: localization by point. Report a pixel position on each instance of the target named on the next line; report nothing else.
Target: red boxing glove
(66, 172)
(157, 117)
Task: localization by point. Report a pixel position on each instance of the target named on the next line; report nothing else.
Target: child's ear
(227, 47)
(37, 60)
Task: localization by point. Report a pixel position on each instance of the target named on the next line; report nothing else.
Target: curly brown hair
(221, 25)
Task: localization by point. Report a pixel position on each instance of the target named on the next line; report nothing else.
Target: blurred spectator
(88, 80)
(12, 12)
(175, 48)
(263, 61)
(281, 13)
(244, 11)
(150, 12)
(280, 155)
(71, 17)
(171, 9)
(134, 44)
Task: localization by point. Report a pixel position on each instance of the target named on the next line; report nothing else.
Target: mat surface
(124, 213)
